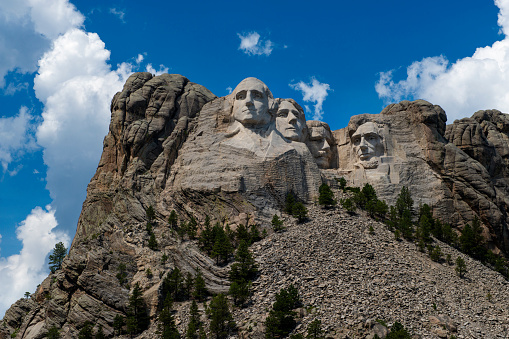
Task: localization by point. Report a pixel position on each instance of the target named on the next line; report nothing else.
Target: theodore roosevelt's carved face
(251, 103)
(319, 143)
(367, 142)
(290, 121)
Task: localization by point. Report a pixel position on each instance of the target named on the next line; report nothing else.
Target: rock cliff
(174, 145)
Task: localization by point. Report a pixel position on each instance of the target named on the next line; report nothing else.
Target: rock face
(173, 145)
(460, 170)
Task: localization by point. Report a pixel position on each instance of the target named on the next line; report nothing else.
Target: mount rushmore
(174, 145)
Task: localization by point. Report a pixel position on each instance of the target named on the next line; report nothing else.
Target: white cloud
(463, 87)
(13, 88)
(16, 138)
(118, 13)
(162, 69)
(76, 85)
(315, 92)
(229, 89)
(20, 273)
(252, 45)
(54, 17)
(139, 58)
(27, 28)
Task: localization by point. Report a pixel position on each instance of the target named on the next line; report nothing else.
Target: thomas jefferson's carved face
(367, 142)
(251, 105)
(319, 144)
(290, 122)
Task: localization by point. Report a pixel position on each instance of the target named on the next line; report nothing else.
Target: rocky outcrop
(458, 169)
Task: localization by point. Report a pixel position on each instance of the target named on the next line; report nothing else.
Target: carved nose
(249, 99)
(292, 118)
(363, 144)
(326, 145)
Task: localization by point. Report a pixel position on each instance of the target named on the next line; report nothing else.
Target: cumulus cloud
(22, 272)
(16, 135)
(75, 84)
(314, 92)
(27, 28)
(462, 87)
(162, 69)
(252, 45)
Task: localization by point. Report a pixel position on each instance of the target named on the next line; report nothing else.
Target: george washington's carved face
(367, 142)
(251, 103)
(290, 121)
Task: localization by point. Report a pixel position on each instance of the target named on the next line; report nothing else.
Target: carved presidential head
(290, 120)
(367, 144)
(252, 103)
(319, 142)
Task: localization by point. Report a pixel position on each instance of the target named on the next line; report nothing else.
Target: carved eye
(282, 114)
(356, 141)
(257, 95)
(241, 95)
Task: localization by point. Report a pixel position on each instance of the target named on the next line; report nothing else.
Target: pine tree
(240, 291)
(242, 271)
(315, 330)
(222, 247)
(200, 291)
(277, 224)
(424, 229)
(300, 211)
(326, 197)
(86, 331)
(381, 209)
(398, 332)
(281, 319)
(151, 214)
(57, 257)
(194, 322)
(207, 238)
(173, 219)
(461, 267)
(173, 286)
(137, 317)
(242, 234)
(188, 285)
(369, 193)
(192, 228)
(405, 225)
(53, 333)
(289, 202)
(118, 323)
(122, 274)
(152, 242)
(404, 201)
(245, 267)
(254, 234)
(436, 254)
(348, 205)
(100, 333)
(342, 183)
(166, 326)
(221, 320)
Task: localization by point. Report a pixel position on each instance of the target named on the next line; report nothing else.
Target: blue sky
(61, 62)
